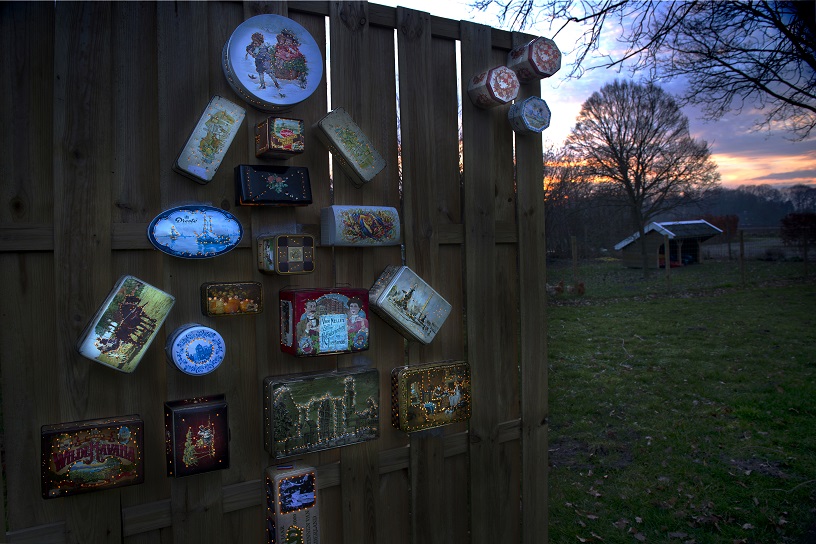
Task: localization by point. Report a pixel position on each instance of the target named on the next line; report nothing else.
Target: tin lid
(195, 349)
(272, 62)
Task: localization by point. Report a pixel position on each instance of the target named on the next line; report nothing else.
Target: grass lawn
(688, 418)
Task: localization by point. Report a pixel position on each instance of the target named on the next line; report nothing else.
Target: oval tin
(195, 232)
(272, 62)
(195, 349)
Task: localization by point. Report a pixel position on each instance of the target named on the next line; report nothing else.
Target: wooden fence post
(574, 243)
(742, 258)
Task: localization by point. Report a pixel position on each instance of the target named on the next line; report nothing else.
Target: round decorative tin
(537, 59)
(195, 349)
(195, 232)
(530, 116)
(494, 87)
(272, 62)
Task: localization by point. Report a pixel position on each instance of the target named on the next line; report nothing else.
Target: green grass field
(686, 418)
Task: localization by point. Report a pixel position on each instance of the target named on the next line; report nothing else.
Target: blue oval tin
(195, 232)
(195, 349)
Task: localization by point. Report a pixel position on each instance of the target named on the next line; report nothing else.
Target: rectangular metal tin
(350, 147)
(322, 321)
(196, 435)
(407, 303)
(91, 455)
(220, 298)
(286, 254)
(304, 413)
(279, 138)
(430, 395)
(209, 141)
(267, 185)
(126, 323)
(292, 513)
(359, 226)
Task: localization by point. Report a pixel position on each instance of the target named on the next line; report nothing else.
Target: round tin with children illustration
(272, 62)
(195, 349)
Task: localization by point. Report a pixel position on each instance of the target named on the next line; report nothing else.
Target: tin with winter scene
(292, 513)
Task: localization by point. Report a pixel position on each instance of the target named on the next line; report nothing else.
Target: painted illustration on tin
(332, 322)
(211, 138)
(275, 59)
(201, 440)
(274, 185)
(286, 135)
(87, 459)
(127, 325)
(368, 225)
(195, 232)
(232, 298)
(296, 492)
(196, 350)
(437, 396)
(324, 412)
(413, 302)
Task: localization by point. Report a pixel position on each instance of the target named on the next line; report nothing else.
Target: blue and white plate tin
(529, 116)
(195, 232)
(195, 349)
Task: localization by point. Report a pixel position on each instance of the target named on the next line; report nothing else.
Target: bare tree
(635, 141)
(732, 54)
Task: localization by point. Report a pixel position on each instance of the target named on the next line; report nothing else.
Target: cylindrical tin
(494, 87)
(529, 116)
(195, 349)
(536, 59)
(272, 62)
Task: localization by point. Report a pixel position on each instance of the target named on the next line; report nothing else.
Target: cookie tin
(195, 232)
(221, 298)
(195, 349)
(304, 413)
(272, 62)
(292, 513)
(279, 138)
(323, 321)
(359, 226)
(205, 148)
(430, 395)
(126, 323)
(537, 59)
(196, 435)
(350, 147)
(266, 185)
(408, 304)
(286, 254)
(495, 87)
(529, 116)
(91, 455)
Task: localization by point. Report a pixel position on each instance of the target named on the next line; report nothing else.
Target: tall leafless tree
(733, 54)
(635, 141)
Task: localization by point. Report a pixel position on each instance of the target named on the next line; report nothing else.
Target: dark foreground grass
(688, 419)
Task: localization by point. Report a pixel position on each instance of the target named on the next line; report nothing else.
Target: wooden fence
(97, 100)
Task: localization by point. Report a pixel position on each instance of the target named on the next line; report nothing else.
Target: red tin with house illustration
(196, 435)
(91, 455)
(323, 321)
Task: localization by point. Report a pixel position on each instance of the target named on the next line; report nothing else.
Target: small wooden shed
(685, 242)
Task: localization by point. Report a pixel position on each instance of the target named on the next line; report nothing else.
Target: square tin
(304, 413)
(350, 147)
(286, 254)
(220, 298)
(126, 323)
(359, 226)
(408, 304)
(323, 321)
(91, 455)
(430, 395)
(196, 435)
(208, 143)
(267, 185)
(292, 513)
(279, 138)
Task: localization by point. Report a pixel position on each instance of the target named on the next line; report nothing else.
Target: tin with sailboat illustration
(195, 232)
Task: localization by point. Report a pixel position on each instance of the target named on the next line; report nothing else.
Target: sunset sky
(744, 157)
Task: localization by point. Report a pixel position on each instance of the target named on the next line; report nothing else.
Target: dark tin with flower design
(266, 185)
(195, 232)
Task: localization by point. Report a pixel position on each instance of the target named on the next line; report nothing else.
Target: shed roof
(698, 228)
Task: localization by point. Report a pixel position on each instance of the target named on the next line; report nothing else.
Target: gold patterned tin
(286, 254)
(430, 395)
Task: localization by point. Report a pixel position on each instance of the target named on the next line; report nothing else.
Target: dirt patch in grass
(567, 452)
